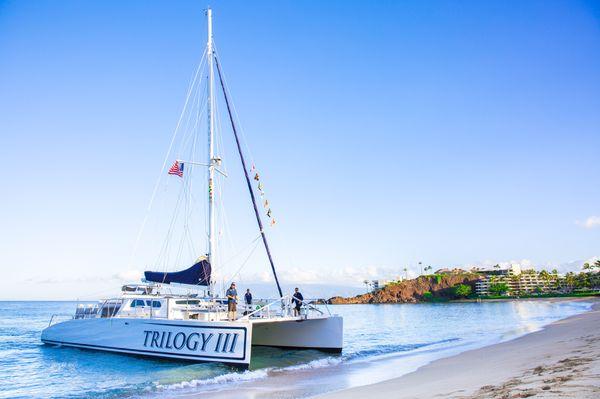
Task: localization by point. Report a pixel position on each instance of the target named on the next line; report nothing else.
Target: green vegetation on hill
(459, 285)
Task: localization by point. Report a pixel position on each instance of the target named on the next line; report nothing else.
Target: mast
(239, 148)
(212, 161)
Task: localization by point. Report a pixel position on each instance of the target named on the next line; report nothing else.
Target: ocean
(380, 342)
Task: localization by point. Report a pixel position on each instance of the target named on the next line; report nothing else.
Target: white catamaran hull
(323, 333)
(226, 342)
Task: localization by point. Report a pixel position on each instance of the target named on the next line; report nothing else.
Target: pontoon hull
(324, 333)
(225, 342)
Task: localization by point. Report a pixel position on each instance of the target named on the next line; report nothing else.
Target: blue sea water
(411, 334)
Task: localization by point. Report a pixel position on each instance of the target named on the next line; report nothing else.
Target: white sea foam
(249, 375)
(220, 379)
(314, 364)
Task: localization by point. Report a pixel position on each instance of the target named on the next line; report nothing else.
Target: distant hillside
(423, 288)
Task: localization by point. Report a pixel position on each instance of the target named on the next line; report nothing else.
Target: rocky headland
(422, 289)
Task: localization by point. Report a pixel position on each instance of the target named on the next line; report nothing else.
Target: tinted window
(192, 302)
(137, 303)
(156, 304)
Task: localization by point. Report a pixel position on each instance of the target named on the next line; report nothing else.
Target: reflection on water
(392, 339)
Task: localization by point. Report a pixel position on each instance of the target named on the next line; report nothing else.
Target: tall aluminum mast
(212, 161)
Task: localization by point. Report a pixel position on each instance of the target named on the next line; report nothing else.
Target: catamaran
(150, 319)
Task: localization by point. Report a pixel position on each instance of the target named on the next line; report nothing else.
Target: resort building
(379, 284)
(516, 280)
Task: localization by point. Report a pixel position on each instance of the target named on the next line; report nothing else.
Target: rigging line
(237, 117)
(185, 209)
(185, 191)
(220, 188)
(189, 205)
(248, 183)
(242, 250)
(225, 225)
(164, 250)
(194, 130)
(145, 220)
(243, 263)
(190, 125)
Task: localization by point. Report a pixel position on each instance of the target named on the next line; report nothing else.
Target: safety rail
(286, 307)
(308, 304)
(57, 315)
(267, 308)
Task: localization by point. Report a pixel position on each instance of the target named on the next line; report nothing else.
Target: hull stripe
(145, 352)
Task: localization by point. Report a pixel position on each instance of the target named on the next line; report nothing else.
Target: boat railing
(86, 311)
(309, 305)
(265, 311)
(56, 318)
(287, 307)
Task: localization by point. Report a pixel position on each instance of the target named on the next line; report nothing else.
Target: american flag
(176, 169)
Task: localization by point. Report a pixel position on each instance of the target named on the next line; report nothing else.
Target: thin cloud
(128, 275)
(589, 223)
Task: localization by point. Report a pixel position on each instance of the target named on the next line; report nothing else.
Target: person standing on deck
(231, 302)
(297, 299)
(248, 299)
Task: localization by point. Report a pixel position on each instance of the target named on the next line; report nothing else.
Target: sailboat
(149, 320)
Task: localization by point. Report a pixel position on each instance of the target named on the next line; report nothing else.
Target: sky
(451, 133)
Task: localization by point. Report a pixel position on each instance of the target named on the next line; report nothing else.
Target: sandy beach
(560, 361)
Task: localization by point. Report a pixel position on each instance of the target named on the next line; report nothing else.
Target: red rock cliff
(412, 291)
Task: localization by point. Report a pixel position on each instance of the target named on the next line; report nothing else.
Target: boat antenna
(239, 148)
(212, 161)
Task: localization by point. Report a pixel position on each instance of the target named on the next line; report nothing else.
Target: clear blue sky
(387, 132)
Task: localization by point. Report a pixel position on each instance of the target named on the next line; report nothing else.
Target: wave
(220, 379)
(314, 364)
(250, 375)
(394, 349)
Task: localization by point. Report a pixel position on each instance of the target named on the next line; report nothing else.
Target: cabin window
(137, 303)
(140, 303)
(186, 302)
(110, 309)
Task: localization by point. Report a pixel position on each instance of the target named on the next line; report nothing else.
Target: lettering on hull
(224, 342)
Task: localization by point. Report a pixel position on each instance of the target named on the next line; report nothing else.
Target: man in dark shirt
(231, 302)
(297, 299)
(248, 298)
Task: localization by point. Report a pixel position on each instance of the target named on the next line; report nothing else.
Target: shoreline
(483, 300)
(560, 361)
(333, 378)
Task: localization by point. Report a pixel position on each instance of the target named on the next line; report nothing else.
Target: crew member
(248, 299)
(297, 299)
(231, 302)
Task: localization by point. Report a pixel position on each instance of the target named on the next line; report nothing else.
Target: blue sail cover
(199, 274)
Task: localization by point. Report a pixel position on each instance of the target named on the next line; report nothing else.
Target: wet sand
(560, 361)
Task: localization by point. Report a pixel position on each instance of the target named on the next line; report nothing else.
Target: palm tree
(570, 280)
(586, 266)
(544, 275)
(597, 264)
